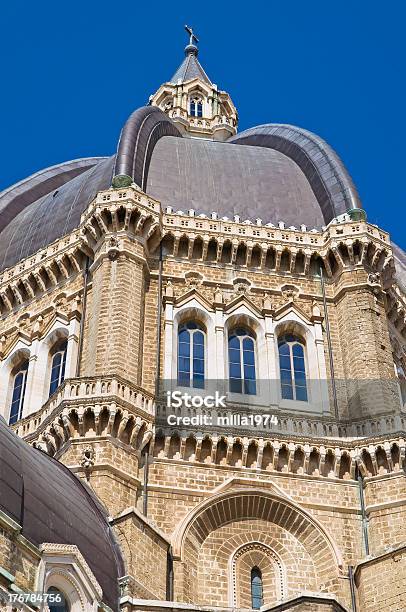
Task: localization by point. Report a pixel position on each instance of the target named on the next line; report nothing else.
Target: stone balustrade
(83, 395)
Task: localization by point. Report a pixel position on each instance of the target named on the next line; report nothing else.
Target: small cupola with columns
(193, 102)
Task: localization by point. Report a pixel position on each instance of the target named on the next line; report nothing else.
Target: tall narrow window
(292, 368)
(241, 358)
(196, 107)
(191, 355)
(257, 599)
(58, 368)
(17, 400)
(400, 373)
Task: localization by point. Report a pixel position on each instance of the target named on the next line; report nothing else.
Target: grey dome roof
(275, 172)
(38, 221)
(52, 505)
(214, 176)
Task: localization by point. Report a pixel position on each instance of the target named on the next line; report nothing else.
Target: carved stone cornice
(340, 246)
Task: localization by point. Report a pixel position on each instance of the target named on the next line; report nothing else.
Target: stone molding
(62, 565)
(273, 558)
(326, 459)
(346, 243)
(224, 514)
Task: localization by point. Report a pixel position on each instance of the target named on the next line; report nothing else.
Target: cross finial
(193, 37)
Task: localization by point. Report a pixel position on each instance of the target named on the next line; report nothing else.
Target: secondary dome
(52, 505)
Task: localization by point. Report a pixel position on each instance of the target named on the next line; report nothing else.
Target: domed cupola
(193, 102)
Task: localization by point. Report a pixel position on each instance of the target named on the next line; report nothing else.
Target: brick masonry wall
(114, 476)
(146, 556)
(18, 562)
(385, 505)
(382, 584)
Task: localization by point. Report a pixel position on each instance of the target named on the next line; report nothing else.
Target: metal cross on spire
(193, 37)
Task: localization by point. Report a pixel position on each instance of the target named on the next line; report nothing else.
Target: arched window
(292, 368)
(241, 358)
(191, 355)
(400, 373)
(257, 599)
(17, 400)
(58, 367)
(196, 107)
(57, 601)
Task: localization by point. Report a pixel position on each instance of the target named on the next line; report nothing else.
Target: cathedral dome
(53, 506)
(273, 172)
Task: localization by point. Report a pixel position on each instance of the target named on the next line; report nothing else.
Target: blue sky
(73, 71)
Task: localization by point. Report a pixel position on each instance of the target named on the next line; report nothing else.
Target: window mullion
(242, 359)
(292, 368)
(191, 357)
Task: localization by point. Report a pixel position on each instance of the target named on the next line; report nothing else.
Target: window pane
(300, 377)
(235, 385)
(198, 381)
(249, 372)
(198, 351)
(249, 358)
(183, 335)
(184, 349)
(234, 356)
(56, 361)
(256, 588)
(248, 344)
(286, 376)
(284, 362)
(287, 392)
(235, 370)
(62, 377)
(198, 366)
(233, 342)
(250, 387)
(191, 325)
(299, 364)
(184, 379)
(53, 386)
(17, 401)
(198, 338)
(184, 364)
(301, 394)
(18, 383)
(284, 349)
(297, 350)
